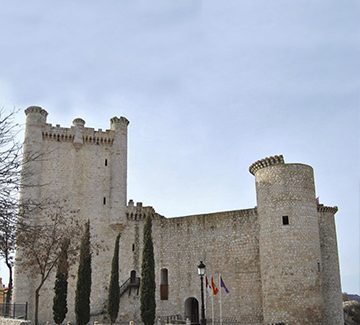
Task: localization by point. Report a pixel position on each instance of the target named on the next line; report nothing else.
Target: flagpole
(212, 308)
(220, 301)
(207, 293)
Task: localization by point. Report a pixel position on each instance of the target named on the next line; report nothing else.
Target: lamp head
(201, 268)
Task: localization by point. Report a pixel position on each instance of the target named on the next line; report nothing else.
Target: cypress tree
(83, 285)
(147, 293)
(114, 288)
(61, 284)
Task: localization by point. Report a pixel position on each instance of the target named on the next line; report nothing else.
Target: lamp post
(201, 272)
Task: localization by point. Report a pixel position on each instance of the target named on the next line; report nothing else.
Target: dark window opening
(105, 162)
(164, 285)
(133, 276)
(133, 247)
(104, 200)
(285, 220)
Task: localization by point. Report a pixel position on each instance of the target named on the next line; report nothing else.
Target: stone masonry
(279, 260)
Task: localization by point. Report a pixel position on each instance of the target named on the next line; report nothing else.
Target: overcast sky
(209, 87)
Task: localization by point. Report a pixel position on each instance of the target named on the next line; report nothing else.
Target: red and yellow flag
(213, 286)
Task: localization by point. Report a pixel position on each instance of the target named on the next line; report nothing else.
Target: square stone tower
(86, 168)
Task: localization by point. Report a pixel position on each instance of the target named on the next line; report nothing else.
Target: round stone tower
(33, 146)
(289, 243)
(118, 179)
(30, 179)
(333, 306)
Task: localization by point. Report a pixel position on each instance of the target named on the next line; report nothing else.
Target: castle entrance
(192, 310)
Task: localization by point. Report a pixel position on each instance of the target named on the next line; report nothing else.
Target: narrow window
(285, 220)
(164, 285)
(319, 269)
(133, 247)
(104, 200)
(105, 162)
(133, 276)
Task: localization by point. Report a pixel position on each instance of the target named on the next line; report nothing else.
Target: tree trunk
(37, 296)
(10, 284)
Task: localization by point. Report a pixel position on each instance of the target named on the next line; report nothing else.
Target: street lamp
(201, 272)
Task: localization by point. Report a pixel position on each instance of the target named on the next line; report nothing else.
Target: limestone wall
(76, 169)
(333, 306)
(289, 243)
(227, 242)
(275, 268)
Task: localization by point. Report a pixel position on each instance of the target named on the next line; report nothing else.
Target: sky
(209, 87)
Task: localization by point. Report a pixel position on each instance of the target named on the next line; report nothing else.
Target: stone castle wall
(76, 165)
(330, 266)
(276, 272)
(289, 244)
(179, 245)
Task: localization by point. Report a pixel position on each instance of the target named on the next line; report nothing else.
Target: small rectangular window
(104, 200)
(105, 162)
(164, 285)
(133, 247)
(285, 220)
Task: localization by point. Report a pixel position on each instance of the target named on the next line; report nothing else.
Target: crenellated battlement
(89, 135)
(78, 122)
(77, 133)
(119, 120)
(266, 162)
(61, 137)
(139, 212)
(322, 208)
(36, 109)
(35, 117)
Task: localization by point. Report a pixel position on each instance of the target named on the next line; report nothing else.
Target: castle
(279, 260)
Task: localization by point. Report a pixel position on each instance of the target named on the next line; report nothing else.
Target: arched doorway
(192, 310)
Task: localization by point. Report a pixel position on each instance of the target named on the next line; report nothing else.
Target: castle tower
(333, 307)
(289, 243)
(279, 260)
(33, 150)
(85, 171)
(30, 178)
(118, 174)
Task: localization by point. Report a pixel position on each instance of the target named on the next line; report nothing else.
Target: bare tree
(7, 243)
(15, 172)
(10, 156)
(40, 242)
(10, 167)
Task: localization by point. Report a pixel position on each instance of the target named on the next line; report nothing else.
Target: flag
(213, 286)
(207, 284)
(222, 285)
